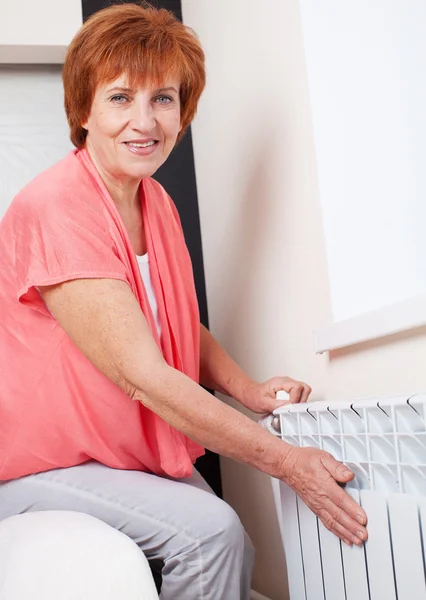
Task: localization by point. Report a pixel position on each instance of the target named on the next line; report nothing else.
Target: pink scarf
(173, 283)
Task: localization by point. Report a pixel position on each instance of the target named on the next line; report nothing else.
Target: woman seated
(101, 348)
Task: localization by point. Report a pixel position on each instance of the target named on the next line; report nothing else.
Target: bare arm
(105, 321)
(218, 371)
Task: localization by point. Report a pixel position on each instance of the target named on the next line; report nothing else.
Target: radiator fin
(354, 567)
(378, 549)
(406, 545)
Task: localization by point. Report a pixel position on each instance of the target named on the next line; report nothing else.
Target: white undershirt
(143, 263)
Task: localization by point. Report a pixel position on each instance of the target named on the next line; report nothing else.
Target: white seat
(62, 555)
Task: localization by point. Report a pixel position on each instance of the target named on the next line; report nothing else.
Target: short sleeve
(56, 242)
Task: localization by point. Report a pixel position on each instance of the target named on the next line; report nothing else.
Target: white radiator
(383, 441)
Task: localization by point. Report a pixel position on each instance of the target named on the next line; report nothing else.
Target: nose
(142, 116)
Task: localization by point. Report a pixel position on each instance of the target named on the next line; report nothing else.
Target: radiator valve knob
(275, 424)
(282, 396)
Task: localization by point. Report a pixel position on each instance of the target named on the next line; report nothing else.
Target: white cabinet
(37, 31)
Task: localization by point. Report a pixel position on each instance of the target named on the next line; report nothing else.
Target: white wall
(37, 31)
(263, 240)
(34, 133)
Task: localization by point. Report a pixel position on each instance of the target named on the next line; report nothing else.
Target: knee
(225, 529)
(232, 536)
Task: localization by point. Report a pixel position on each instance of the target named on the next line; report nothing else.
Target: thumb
(337, 470)
(279, 403)
(270, 404)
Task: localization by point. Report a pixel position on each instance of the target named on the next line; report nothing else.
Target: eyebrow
(130, 91)
(167, 89)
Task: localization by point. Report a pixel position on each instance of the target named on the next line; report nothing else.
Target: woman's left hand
(260, 397)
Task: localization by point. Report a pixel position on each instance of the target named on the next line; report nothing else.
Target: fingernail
(360, 519)
(361, 535)
(358, 542)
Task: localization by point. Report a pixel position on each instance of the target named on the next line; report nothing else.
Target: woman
(101, 346)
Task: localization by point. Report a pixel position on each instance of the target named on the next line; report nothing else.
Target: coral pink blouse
(56, 408)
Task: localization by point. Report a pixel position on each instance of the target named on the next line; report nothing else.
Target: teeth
(145, 145)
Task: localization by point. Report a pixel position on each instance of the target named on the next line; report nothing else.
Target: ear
(85, 125)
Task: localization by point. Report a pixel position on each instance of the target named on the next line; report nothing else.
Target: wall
(263, 242)
(37, 32)
(33, 129)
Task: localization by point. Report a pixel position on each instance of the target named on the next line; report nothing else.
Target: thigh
(161, 515)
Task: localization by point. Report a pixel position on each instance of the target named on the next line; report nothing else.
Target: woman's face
(132, 131)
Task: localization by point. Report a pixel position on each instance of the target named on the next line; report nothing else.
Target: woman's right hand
(313, 474)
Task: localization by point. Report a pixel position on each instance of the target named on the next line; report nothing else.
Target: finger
(339, 497)
(305, 393)
(348, 512)
(348, 523)
(337, 470)
(342, 532)
(269, 405)
(296, 393)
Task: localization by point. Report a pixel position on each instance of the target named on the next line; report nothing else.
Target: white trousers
(187, 533)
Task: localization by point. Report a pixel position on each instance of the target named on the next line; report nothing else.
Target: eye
(119, 98)
(164, 99)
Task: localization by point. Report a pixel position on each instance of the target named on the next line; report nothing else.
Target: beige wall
(264, 251)
(37, 32)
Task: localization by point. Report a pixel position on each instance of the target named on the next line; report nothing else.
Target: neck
(124, 193)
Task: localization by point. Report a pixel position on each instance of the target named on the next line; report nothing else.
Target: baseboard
(256, 596)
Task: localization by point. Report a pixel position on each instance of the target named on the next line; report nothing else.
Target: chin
(142, 171)
(143, 174)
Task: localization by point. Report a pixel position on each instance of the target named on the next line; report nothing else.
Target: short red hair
(146, 44)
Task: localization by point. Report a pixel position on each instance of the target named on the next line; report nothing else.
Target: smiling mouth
(141, 145)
